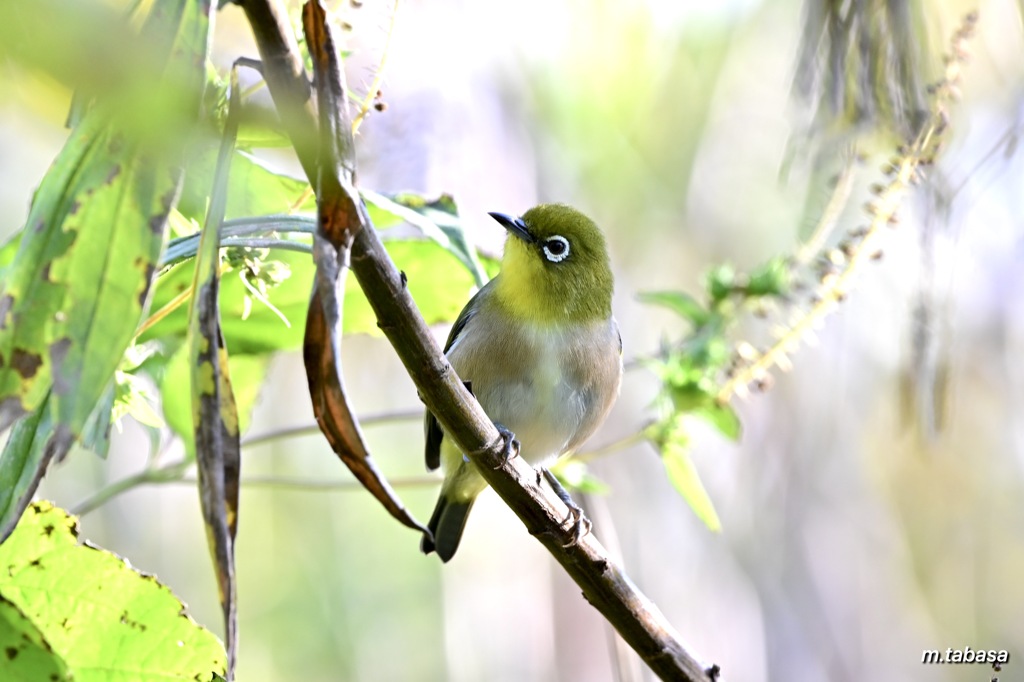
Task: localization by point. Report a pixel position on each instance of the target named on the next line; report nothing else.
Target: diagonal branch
(604, 583)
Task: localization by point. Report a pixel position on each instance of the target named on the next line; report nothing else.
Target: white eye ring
(561, 251)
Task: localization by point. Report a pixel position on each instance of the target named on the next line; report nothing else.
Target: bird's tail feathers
(446, 525)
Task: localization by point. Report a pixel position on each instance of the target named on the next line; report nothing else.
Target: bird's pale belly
(539, 393)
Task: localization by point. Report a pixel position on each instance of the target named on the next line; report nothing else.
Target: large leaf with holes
(102, 618)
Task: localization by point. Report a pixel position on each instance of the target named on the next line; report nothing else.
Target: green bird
(540, 350)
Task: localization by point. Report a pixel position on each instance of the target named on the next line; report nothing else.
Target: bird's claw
(511, 445)
(581, 525)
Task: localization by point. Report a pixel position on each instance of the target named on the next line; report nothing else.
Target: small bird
(540, 350)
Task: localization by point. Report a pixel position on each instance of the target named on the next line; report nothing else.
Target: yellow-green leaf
(27, 656)
(78, 284)
(102, 618)
(672, 441)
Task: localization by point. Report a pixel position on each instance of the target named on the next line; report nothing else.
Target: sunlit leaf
(8, 251)
(254, 188)
(104, 619)
(437, 281)
(723, 418)
(27, 656)
(673, 442)
(72, 297)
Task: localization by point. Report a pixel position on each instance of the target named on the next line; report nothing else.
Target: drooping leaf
(214, 413)
(247, 374)
(340, 215)
(105, 620)
(27, 656)
(322, 355)
(672, 441)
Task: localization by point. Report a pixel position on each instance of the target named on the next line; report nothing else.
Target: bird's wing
(432, 430)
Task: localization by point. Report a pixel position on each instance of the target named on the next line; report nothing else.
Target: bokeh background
(874, 506)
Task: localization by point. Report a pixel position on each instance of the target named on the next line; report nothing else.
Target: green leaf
(253, 187)
(176, 403)
(105, 620)
(25, 458)
(682, 304)
(438, 220)
(8, 251)
(437, 281)
(96, 433)
(247, 374)
(27, 656)
(672, 441)
(721, 282)
(576, 475)
(771, 279)
(723, 418)
(72, 298)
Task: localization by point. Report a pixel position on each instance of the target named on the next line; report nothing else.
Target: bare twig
(307, 429)
(168, 473)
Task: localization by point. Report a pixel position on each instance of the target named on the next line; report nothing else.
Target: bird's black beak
(515, 226)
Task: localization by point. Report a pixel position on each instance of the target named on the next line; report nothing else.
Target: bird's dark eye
(556, 249)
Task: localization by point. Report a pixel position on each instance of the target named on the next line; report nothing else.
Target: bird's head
(555, 268)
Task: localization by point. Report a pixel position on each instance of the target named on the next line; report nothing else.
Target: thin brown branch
(605, 585)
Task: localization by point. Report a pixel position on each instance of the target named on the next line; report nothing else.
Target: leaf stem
(164, 474)
(309, 429)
